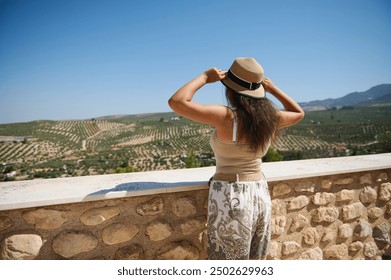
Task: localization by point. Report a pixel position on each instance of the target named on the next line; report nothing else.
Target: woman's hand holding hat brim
(214, 75)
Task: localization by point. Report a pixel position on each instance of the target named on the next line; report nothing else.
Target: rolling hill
(377, 95)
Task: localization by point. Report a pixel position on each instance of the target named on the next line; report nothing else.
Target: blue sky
(83, 59)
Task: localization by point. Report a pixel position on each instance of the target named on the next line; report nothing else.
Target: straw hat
(245, 77)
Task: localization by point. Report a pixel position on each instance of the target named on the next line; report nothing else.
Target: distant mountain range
(376, 95)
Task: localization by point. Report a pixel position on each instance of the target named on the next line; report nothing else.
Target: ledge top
(44, 192)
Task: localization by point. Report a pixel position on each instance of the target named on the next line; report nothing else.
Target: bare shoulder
(216, 115)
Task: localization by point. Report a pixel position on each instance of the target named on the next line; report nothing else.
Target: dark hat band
(243, 83)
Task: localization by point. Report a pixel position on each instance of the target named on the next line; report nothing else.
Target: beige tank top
(235, 158)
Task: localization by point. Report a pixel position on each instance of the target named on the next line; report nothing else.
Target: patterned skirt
(239, 217)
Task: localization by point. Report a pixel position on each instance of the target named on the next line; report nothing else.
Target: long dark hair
(257, 118)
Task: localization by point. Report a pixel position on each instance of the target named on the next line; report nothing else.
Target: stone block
(356, 246)
(274, 250)
(278, 224)
(158, 230)
(375, 212)
(278, 207)
(381, 233)
(96, 216)
(203, 239)
(298, 221)
(184, 207)
(326, 184)
(20, 247)
(344, 181)
(370, 249)
(178, 251)
(353, 211)
(385, 192)
(329, 235)
(5, 223)
(336, 252)
(152, 207)
(366, 179)
(71, 243)
(387, 252)
(382, 177)
(345, 195)
(298, 202)
(323, 198)
(305, 186)
(290, 247)
(131, 252)
(193, 225)
(325, 214)
(388, 208)
(363, 229)
(45, 218)
(281, 189)
(119, 232)
(345, 231)
(312, 254)
(368, 195)
(310, 236)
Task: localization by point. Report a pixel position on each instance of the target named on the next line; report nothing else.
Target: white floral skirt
(239, 216)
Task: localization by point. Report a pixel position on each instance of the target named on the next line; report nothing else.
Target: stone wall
(164, 226)
(345, 216)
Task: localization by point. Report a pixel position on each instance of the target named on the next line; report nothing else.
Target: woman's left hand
(213, 75)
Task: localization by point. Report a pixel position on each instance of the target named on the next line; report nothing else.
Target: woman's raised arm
(181, 102)
(293, 112)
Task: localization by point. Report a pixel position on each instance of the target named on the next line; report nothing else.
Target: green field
(115, 144)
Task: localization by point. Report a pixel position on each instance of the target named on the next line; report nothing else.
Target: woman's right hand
(213, 75)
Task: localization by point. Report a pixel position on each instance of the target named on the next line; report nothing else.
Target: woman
(239, 208)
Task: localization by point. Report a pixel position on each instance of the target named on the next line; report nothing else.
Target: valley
(131, 143)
